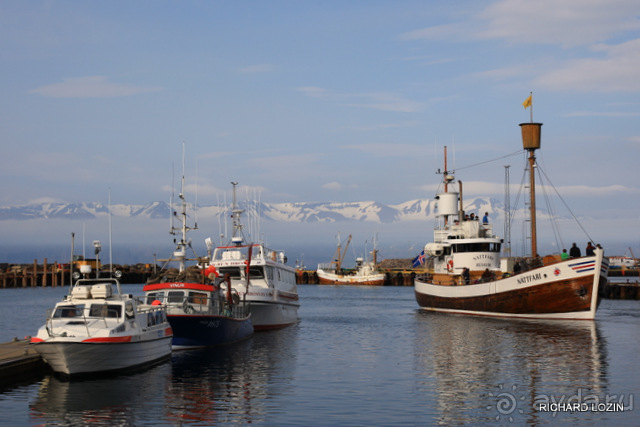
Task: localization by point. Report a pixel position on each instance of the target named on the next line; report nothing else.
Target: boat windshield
(153, 296)
(69, 311)
(105, 310)
(238, 272)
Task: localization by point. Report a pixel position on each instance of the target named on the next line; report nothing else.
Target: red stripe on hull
(566, 296)
(109, 339)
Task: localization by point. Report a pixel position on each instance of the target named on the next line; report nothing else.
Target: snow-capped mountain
(307, 212)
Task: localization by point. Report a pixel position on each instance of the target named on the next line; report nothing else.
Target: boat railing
(327, 266)
(258, 253)
(208, 307)
(465, 230)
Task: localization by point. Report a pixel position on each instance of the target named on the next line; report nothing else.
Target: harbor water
(359, 356)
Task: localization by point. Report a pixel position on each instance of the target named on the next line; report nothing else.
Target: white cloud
(333, 186)
(616, 71)
(454, 31)
(312, 91)
(90, 87)
(567, 22)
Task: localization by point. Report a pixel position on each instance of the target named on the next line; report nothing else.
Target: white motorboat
(96, 328)
(260, 275)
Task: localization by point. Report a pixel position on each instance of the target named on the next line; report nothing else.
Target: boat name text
(529, 278)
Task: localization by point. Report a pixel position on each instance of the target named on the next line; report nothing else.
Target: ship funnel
(530, 135)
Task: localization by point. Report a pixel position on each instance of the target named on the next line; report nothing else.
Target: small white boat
(261, 277)
(623, 262)
(364, 273)
(96, 329)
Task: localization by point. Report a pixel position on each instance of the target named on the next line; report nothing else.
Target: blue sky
(317, 100)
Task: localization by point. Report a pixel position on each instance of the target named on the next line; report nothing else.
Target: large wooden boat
(466, 274)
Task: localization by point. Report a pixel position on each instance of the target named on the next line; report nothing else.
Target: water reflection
(230, 384)
(98, 400)
(477, 364)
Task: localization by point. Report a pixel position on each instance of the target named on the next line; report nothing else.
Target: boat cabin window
(256, 273)
(105, 310)
(152, 296)
(69, 311)
(198, 298)
(175, 297)
(234, 272)
(476, 247)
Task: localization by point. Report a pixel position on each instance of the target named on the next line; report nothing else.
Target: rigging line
(492, 160)
(566, 205)
(550, 208)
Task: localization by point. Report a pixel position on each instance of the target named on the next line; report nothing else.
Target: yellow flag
(527, 102)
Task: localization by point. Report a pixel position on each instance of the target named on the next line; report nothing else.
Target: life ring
(450, 265)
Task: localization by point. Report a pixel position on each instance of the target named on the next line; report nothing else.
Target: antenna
(195, 206)
(110, 232)
(507, 212)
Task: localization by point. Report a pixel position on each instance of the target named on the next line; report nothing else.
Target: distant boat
(260, 275)
(466, 276)
(97, 328)
(624, 262)
(364, 273)
(203, 310)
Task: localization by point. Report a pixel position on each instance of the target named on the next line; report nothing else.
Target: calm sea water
(359, 356)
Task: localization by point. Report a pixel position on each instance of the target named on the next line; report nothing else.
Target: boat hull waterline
(325, 278)
(565, 290)
(93, 357)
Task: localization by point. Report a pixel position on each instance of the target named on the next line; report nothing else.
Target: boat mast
(181, 249)
(237, 236)
(531, 142)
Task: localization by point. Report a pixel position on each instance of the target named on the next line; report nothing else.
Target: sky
(306, 101)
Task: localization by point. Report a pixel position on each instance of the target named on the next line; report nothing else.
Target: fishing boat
(203, 309)
(466, 274)
(260, 275)
(96, 328)
(364, 273)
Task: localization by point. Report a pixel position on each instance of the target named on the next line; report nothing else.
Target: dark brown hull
(535, 294)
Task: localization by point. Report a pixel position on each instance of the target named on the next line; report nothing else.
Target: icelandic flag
(419, 260)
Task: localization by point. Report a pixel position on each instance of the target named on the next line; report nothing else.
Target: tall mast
(181, 246)
(531, 142)
(237, 236)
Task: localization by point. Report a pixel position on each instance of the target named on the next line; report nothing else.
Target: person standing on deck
(590, 249)
(574, 252)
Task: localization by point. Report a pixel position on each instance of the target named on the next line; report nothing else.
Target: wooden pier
(55, 274)
(19, 363)
(21, 276)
